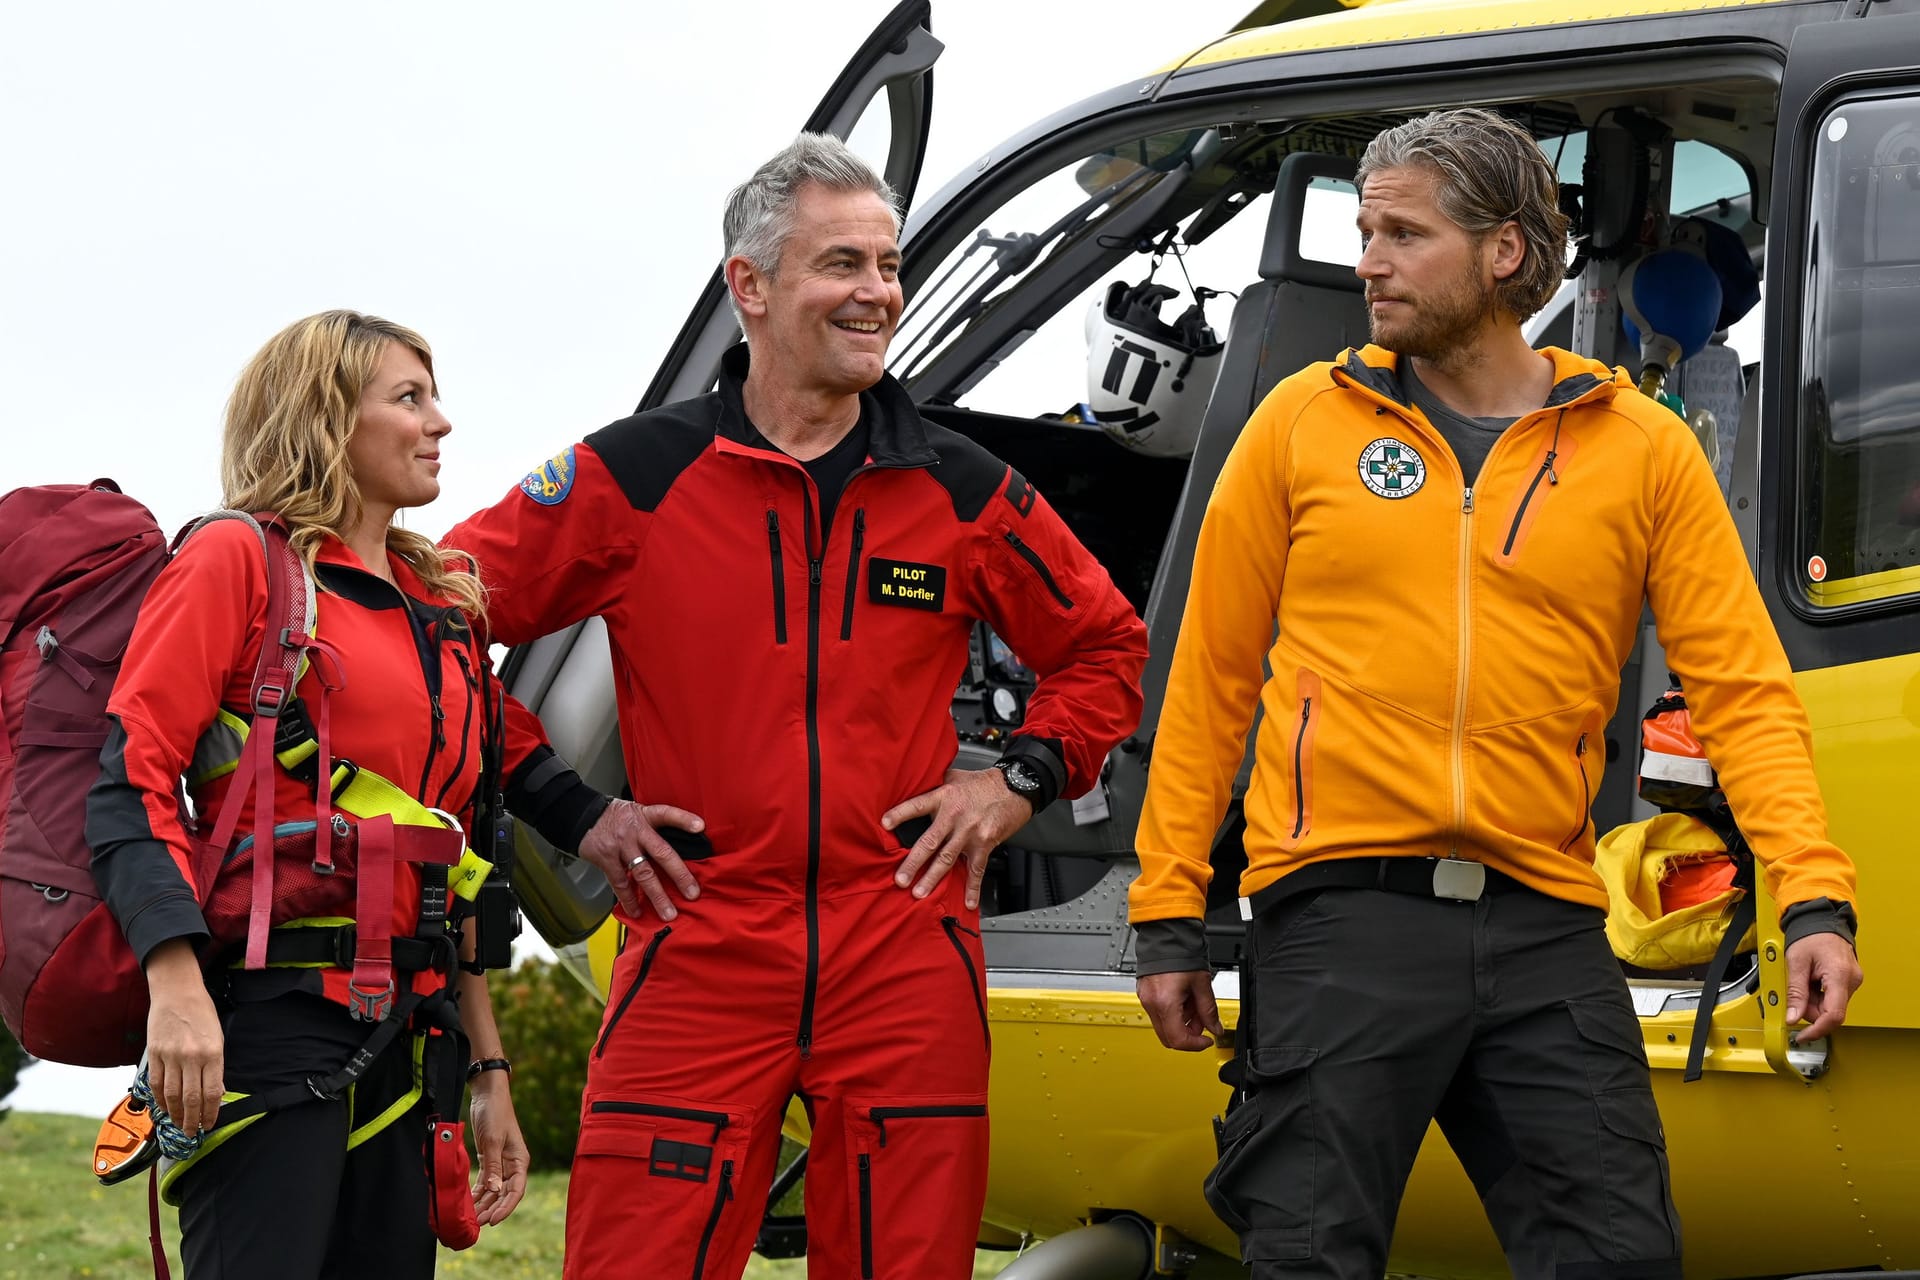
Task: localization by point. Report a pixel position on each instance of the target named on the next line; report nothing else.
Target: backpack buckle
(344, 772)
(369, 1005)
(345, 940)
(268, 699)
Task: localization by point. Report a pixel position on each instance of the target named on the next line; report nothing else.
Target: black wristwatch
(1022, 779)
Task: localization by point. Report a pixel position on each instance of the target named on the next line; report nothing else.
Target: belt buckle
(1459, 879)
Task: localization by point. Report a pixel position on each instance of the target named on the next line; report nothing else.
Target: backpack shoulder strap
(285, 641)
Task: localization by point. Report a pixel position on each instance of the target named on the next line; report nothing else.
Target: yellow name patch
(907, 584)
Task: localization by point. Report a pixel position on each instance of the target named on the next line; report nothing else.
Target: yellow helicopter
(1794, 123)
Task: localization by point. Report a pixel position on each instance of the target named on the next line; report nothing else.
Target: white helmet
(1147, 380)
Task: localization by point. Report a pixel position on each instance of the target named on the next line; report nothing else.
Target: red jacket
(410, 710)
(791, 686)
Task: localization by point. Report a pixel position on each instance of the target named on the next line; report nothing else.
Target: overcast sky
(536, 191)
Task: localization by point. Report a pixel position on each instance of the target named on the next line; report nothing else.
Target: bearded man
(1454, 535)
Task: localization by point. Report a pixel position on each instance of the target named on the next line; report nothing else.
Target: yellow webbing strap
(369, 795)
(308, 922)
(362, 792)
(170, 1170)
(358, 1135)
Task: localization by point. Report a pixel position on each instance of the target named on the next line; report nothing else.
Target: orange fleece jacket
(1447, 657)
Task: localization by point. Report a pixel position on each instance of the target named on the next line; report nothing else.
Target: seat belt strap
(1744, 914)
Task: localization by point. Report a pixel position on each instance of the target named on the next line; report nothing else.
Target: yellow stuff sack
(1669, 891)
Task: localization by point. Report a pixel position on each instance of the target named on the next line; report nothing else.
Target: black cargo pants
(1506, 1019)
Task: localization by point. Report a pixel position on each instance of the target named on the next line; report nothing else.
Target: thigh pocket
(1610, 1045)
(1633, 1163)
(1263, 1185)
(1632, 1159)
(908, 1155)
(685, 1158)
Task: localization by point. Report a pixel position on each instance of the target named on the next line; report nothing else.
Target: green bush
(12, 1060)
(547, 1025)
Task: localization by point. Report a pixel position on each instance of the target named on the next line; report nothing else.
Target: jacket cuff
(1819, 915)
(173, 915)
(1170, 946)
(1047, 759)
(547, 795)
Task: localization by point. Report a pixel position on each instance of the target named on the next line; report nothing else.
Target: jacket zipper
(1032, 557)
(853, 571)
(779, 579)
(427, 650)
(880, 1115)
(1547, 473)
(954, 929)
(722, 1194)
(613, 1106)
(1299, 768)
(1586, 793)
(804, 1040)
(866, 1216)
(646, 963)
(1456, 744)
(466, 728)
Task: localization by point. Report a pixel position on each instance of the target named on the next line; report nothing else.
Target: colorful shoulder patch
(549, 483)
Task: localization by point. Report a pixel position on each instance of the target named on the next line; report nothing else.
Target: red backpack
(76, 562)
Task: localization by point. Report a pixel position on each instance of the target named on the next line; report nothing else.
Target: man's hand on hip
(973, 814)
(629, 852)
(1822, 974)
(1181, 1006)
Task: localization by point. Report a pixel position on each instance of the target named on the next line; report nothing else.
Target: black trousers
(284, 1198)
(1508, 1021)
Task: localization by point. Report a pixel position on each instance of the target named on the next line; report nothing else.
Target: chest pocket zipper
(853, 572)
(1547, 472)
(466, 728)
(779, 579)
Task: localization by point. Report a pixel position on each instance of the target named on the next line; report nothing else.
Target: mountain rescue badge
(549, 483)
(1391, 468)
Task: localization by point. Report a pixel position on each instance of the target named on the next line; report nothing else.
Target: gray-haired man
(789, 569)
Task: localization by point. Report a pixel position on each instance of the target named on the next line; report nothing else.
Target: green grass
(60, 1224)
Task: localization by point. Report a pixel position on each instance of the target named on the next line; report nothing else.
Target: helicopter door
(1838, 552)
(898, 58)
(566, 678)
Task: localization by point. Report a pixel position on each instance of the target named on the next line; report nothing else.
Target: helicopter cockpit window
(1703, 175)
(976, 279)
(1197, 285)
(1859, 393)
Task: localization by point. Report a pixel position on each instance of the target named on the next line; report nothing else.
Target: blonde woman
(335, 426)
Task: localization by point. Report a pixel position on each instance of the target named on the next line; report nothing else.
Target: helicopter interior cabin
(1251, 222)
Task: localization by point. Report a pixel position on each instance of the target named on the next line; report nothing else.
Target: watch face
(1021, 777)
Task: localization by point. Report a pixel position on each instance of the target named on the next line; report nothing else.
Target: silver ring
(637, 862)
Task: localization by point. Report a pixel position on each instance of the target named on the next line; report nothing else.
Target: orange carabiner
(127, 1144)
